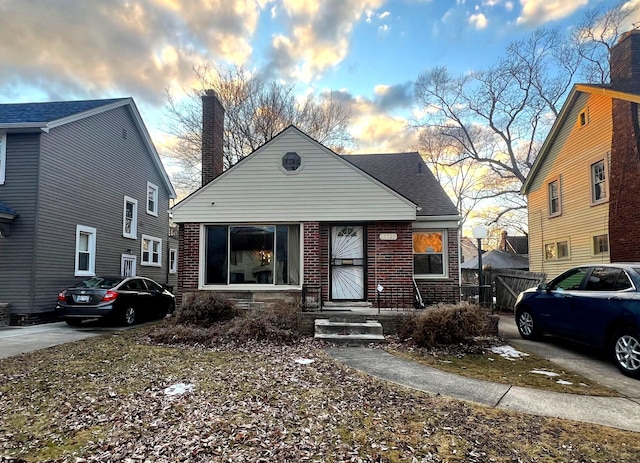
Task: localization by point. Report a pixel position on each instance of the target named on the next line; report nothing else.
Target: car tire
(129, 315)
(73, 321)
(625, 348)
(527, 325)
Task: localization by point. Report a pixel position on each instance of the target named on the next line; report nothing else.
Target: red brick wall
(389, 263)
(188, 259)
(212, 137)
(311, 263)
(624, 173)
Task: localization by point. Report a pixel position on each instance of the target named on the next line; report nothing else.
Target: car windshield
(98, 282)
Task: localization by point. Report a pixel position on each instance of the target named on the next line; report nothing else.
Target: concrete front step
(348, 332)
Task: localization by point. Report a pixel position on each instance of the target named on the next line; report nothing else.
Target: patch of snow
(178, 389)
(544, 372)
(303, 361)
(562, 381)
(508, 352)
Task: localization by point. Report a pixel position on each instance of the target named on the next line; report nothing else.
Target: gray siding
(19, 192)
(87, 167)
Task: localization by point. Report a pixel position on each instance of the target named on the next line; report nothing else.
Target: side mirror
(543, 287)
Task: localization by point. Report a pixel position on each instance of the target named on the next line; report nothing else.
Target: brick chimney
(624, 172)
(212, 136)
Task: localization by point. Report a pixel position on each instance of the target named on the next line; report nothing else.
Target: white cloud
(92, 48)
(316, 38)
(383, 15)
(536, 12)
(479, 21)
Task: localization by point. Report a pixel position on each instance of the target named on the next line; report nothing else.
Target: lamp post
(479, 233)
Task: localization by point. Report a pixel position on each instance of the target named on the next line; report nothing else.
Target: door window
(570, 280)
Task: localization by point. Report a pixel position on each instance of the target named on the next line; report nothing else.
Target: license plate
(82, 298)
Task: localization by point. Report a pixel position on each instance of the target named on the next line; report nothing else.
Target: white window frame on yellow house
(583, 117)
(595, 251)
(599, 180)
(558, 197)
(558, 250)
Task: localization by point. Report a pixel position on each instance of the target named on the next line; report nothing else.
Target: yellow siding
(570, 157)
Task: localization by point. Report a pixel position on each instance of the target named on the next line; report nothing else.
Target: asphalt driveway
(589, 363)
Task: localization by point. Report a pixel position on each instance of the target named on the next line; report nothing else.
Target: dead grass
(103, 399)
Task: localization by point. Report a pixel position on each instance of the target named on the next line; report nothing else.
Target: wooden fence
(509, 283)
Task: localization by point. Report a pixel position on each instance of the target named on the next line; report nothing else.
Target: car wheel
(129, 315)
(73, 321)
(527, 326)
(626, 352)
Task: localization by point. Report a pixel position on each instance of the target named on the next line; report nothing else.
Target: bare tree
(497, 119)
(594, 36)
(255, 111)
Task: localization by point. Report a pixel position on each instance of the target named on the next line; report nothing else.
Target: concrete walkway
(618, 412)
(16, 340)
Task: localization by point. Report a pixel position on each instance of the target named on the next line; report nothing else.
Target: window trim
(592, 182)
(3, 157)
(583, 117)
(91, 271)
(150, 263)
(552, 213)
(134, 259)
(151, 187)
(593, 245)
(134, 220)
(296, 170)
(445, 256)
(173, 260)
(248, 287)
(555, 244)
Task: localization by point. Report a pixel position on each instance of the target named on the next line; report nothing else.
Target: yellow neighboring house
(582, 190)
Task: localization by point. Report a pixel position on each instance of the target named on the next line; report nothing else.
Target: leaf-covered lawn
(103, 399)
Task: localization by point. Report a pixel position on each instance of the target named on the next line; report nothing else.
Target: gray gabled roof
(27, 113)
(18, 117)
(408, 175)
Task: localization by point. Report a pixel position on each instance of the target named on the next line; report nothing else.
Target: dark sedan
(597, 305)
(125, 300)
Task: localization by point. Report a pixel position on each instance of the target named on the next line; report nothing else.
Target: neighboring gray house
(82, 192)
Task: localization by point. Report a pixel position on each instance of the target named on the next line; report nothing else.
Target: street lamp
(479, 233)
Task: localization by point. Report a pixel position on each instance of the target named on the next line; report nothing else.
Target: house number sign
(388, 236)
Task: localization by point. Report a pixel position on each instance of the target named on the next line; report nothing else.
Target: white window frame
(3, 156)
(153, 190)
(597, 252)
(550, 199)
(134, 262)
(150, 240)
(555, 246)
(173, 260)
(445, 256)
(91, 232)
(605, 188)
(134, 220)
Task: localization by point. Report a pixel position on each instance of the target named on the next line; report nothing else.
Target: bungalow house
(294, 214)
(584, 188)
(82, 192)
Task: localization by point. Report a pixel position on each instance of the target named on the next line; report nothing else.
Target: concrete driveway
(16, 340)
(589, 363)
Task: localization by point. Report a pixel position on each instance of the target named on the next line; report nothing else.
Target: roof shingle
(16, 113)
(408, 175)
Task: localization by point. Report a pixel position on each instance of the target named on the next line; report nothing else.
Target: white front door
(347, 262)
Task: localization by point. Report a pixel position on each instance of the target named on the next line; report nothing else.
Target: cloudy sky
(371, 50)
